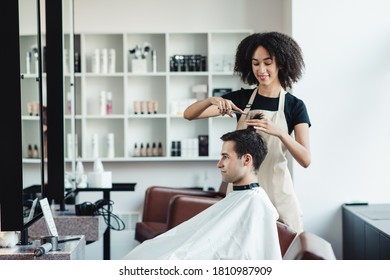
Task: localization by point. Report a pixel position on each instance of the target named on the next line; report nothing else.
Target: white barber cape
(242, 226)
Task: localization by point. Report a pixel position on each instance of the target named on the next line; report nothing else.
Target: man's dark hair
(248, 141)
(287, 53)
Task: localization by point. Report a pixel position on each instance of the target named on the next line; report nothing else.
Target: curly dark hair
(287, 53)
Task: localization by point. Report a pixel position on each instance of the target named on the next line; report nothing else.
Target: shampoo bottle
(111, 61)
(95, 146)
(104, 61)
(28, 62)
(102, 103)
(96, 61)
(154, 61)
(110, 145)
(109, 103)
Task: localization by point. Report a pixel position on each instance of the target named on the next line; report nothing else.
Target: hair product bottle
(149, 105)
(136, 107)
(160, 149)
(136, 150)
(29, 151)
(66, 61)
(95, 146)
(104, 61)
(154, 149)
(69, 142)
(111, 61)
(96, 61)
(36, 151)
(110, 145)
(102, 103)
(28, 62)
(109, 103)
(68, 103)
(154, 61)
(30, 109)
(148, 151)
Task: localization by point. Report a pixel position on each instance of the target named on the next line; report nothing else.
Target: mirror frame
(11, 193)
(12, 186)
(55, 189)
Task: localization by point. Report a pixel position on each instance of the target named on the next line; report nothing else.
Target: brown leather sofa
(166, 208)
(160, 211)
(309, 246)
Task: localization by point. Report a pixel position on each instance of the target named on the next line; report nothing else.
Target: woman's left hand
(265, 125)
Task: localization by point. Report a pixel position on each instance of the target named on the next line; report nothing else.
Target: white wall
(346, 88)
(176, 15)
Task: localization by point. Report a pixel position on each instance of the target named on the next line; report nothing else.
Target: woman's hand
(225, 106)
(299, 147)
(210, 107)
(265, 125)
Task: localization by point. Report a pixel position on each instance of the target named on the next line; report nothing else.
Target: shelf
(209, 53)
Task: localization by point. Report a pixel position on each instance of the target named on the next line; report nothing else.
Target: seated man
(240, 226)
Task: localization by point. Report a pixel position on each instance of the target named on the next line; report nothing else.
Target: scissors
(237, 112)
(257, 116)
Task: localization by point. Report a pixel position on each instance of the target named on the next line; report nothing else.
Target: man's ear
(247, 159)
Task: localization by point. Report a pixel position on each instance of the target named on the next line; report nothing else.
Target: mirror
(37, 115)
(33, 104)
(70, 133)
(60, 85)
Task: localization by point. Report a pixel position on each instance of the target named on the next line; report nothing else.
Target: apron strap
(252, 98)
(282, 96)
(248, 106)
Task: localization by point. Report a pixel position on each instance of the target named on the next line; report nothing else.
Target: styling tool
(237, 112)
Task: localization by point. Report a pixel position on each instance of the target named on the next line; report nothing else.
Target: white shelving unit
(172, 90)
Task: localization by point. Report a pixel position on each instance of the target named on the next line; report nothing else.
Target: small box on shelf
(138, 66)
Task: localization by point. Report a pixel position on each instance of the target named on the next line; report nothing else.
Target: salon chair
(160, 211)
(167, 207)
(179, 205)
(309, 246)
(184, 207)
(293, 246)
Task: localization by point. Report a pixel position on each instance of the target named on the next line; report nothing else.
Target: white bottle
(70, 145)
(76, 146)
(66, 62)
(102, 103)
(96, 61)
(111, 61)
(28, 62)
(36, 60)
(109, 103)
(95, 146)
(110, 145)
(68, 103)
(79, 170)
(104, 61)
(154, 61)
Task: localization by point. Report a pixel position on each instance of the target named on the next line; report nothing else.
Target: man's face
(231, 167)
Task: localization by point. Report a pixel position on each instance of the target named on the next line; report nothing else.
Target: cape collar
(246, 187)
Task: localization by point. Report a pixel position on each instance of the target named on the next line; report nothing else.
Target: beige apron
(274, 175)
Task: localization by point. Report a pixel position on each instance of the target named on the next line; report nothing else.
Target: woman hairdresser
(271, 62)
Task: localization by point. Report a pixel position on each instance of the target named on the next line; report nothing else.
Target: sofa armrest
(286, 236)
(184, 207)
(309, 246)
